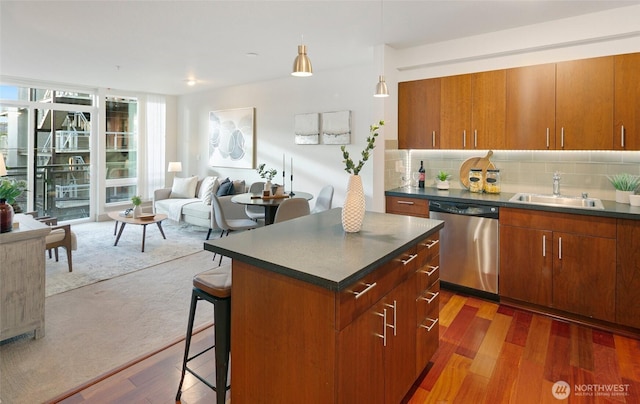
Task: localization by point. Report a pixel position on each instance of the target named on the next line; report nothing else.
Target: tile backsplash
(520, 171)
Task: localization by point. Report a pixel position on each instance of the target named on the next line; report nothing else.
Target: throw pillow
(239, 186)
(225, 188)
(184, 187)
(206, 189)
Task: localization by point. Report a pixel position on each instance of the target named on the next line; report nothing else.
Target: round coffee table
(120, 218)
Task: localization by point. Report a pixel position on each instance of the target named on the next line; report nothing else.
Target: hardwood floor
(488, 353)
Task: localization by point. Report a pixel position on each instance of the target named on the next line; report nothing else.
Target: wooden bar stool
(213, 286)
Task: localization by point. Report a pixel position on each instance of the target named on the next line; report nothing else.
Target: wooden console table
(22, 278)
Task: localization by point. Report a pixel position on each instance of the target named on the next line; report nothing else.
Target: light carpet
(94, 329)
(97, 259)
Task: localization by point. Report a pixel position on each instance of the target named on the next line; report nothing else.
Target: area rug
(97, 259)
(94, 329)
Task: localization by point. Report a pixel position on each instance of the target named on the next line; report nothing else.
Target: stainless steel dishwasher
(469, 249)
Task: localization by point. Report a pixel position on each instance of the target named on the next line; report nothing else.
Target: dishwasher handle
(465, 209)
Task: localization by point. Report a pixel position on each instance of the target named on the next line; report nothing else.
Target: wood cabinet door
(455, 115)
(526, 260)
(488, 110)
(584, 104)
(584, 276)
(626, 131)
(531, 108)
(400, 352)
(419, 114)
(360, 358)
(628, 273)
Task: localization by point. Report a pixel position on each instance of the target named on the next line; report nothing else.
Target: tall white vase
(354, 206)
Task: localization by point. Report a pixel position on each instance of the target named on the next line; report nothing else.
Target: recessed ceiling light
(191, 82)
(251, 54)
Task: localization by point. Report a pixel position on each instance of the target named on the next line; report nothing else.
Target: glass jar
(492, 182)
(476, 183)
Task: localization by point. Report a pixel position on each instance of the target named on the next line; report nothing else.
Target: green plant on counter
(266, 174)
(443, 176)
(137, 200)
(351, 168)
(624, 181)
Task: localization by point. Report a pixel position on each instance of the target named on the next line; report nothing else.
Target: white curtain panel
(155, 143)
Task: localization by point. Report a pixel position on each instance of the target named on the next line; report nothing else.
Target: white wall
(276, 103)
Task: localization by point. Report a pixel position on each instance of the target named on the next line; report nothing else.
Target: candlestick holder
(284, 188)
(291, 193)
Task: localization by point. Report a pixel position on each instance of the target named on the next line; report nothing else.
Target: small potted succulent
(442, 180)
(625, 185)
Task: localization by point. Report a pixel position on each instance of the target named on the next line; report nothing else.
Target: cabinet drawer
(428, 304)
(428, 332)
(427, 273)
(407, 206)
(359, 297)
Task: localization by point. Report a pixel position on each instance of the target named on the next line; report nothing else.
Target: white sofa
(189, 201)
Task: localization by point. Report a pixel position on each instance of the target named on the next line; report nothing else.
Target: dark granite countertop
(611, 208)
(315, 248)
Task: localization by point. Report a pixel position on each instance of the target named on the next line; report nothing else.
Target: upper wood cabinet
(419, 114)
(584, 104)
(531, 108)
(488, 109)
(455, 111)
(626, 130)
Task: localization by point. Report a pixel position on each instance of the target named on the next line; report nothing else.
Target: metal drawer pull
(384, 328)
(475, 138)
(464, 139)
(431, 243)
(560, 248)
(405, 202)
(433, 139)
(394, 305)
(369, 286)
(622, 136)
(544, 245)
(433, 296)
(434, 321)
(411, 258)
(432, 270)
(562, 137)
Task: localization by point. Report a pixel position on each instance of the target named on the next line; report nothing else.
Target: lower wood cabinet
(562, 261)
(296, 342)
(628, 273)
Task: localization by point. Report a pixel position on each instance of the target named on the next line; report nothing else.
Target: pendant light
(302, 64)
(381, 87)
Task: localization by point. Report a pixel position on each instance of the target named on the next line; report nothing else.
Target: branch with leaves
(266, 174)
(350, 167)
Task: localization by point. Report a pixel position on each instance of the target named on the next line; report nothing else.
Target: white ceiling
(154, 46)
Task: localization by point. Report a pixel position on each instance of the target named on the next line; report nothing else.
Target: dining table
(269, 203)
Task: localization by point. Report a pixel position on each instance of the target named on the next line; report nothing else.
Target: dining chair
(60, 236)
(255, 212)
(324, 199)
(291, 208)
(229, 225)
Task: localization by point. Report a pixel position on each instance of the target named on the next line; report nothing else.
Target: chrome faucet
(556, 183)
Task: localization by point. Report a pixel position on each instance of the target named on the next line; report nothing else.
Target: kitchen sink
(558, 200)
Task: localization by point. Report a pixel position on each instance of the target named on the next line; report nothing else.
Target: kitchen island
(320, 315)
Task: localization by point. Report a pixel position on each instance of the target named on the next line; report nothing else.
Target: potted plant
(354, 204)
(9, 191)
(137, 201)
(625, 185)
(267, 174)
(442, 180)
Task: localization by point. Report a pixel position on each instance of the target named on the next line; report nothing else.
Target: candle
(282, 163)
(291, 168)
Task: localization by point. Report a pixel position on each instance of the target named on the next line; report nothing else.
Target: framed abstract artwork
(231, 138)
(307, 128)
(336, 127)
